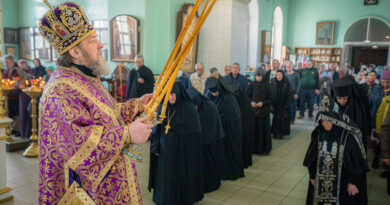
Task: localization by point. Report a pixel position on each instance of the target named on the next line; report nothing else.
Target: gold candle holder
(32, 151)
(5, 92)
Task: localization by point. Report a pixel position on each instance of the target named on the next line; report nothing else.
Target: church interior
(244, 45)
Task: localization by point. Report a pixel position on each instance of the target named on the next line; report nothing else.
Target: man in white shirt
(198, 78)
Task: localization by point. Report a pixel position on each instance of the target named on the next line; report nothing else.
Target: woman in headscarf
(261, 96)
(247, 120)
(336, 159)
(353, 101)
(176, 167)
(281, 105)
(214, 154)
(39, 70)
(21, 77)
(232, 125)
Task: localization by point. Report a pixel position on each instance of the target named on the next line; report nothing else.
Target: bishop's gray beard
(100, 67)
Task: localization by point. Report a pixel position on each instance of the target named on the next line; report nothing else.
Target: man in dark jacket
(140, 81)
(237, 79)
(309, 86)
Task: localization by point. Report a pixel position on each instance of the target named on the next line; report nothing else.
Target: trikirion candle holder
(165, 81)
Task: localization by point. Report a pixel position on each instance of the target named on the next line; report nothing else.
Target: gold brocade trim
(76, 195)
(66, 172)
(76, 42)
(87, 148)
(5, 190)
(103, 173)
(6, 199)
(75, 84)
(132, 182)
(4, 138)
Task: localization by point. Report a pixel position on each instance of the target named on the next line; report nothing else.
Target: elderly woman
(10, 63)
(20, 77)
(23, 64)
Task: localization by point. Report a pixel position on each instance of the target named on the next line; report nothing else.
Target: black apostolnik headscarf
(224, 100)
(209, 117)
(181, 121)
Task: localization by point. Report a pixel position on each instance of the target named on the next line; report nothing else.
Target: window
(101, 27)
(41, 46)
(277, 34)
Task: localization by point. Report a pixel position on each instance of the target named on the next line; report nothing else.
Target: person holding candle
(88, 143)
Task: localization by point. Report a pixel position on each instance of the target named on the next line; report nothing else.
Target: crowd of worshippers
(19, 103)
(200, 143)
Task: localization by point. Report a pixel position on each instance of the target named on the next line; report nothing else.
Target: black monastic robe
(134, 89)
(214, 154)
(261, 92)
(281, 107)
(176, 167)
(230, 113)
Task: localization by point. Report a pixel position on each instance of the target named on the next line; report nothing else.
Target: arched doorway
(367, 41)
(277, 34)
(253, 32)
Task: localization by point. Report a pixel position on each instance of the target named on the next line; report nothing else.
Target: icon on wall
(325, 33)
(10, 50)
(26, 46)
(10, 35)
(124, 38)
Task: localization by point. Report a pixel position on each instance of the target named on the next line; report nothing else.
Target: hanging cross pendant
(167, 127)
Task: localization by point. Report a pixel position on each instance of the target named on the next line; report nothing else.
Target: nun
(230, 113)
(261, 96)
(176, 166)
(281, 105)
(336, 159)
(214, 154)
(352, 102)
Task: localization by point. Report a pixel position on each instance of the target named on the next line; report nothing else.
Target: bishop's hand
(144, 100)
(140, 130)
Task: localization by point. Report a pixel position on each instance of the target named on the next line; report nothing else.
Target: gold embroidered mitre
(65, 26)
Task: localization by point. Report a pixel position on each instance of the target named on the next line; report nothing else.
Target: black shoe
(375, 163)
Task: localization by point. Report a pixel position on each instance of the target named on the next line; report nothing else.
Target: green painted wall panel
(304, 15)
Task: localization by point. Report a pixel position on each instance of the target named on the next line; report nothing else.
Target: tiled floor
(278, 178)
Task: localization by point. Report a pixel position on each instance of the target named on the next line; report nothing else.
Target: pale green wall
(160, 31)
(266, 15)
(304, 15)
(11, 11)
(157, 19)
